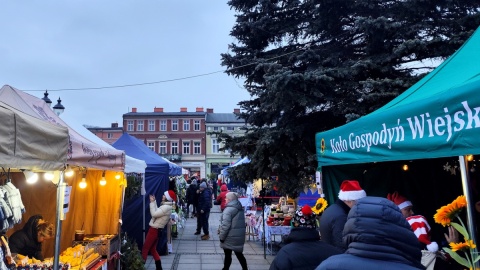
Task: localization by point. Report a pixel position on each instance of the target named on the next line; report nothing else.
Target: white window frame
(186, 148)
(140, 125)
(109, 135)
(174, 146)
(186, 125)
(162, 147)
(215, 146)
(151, 125)
(129, 125)
(196, 125)
(197, 148)
(163, 125)
(174, 125)
(151, 145)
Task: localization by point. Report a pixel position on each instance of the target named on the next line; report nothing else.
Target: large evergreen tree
(311, 65)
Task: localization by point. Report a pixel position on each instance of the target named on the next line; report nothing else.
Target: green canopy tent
(439, 116)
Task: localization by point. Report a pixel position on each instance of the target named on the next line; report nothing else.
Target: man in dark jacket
(204, 206)
(335, 216)
(378, 237)
(303, 249)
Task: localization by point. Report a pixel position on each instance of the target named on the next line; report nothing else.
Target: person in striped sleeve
(419, 223)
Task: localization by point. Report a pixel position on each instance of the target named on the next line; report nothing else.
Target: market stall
(436, 117)
(135, 214)
(96, 207)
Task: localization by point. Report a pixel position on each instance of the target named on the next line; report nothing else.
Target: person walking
(204, 206)
(232, 231)
(160, 218)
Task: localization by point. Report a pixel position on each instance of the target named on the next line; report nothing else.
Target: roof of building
(223, 118)
(156, 114)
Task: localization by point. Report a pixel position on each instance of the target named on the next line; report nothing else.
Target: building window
(140, 125)
(186, 148)
(174, 125)
(163, 125)
(151, 125)
(196, 125)
(130, 125)
(216, 128)
(196, 148)
(162, 148)
(174, 147)
(151, 145)
(215, 146)
(231, 128)
(186, 125)
(109, 135)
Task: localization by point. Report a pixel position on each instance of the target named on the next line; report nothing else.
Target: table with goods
(278, 224)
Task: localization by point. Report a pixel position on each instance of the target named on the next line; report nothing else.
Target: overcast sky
(84, 44)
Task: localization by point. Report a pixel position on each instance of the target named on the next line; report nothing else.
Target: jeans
(204, 221)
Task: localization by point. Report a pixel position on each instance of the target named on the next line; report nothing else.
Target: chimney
(134, 109)
(209, 110)
(183, 109)
(157, 109)
(236, 111)
(114, 125)
(199, 109)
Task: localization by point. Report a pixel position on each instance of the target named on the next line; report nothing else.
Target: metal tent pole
(466, 191)
(263, 223)
(58, 225)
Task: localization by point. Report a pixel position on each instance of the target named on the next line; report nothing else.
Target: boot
(205, 237)
(158, 265)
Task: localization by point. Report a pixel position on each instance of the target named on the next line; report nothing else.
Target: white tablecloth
(245, 201)
(276, 230)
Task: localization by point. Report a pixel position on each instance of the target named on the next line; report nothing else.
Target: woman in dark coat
(378, 237)
(232, 231)
(28, 241)
(192, 197)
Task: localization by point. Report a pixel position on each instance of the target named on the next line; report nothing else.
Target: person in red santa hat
(160, 218)
(335, 216)
(419, 223)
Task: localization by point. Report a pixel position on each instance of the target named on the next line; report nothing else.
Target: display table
(100, 265)
(271, 232)
(245, 201)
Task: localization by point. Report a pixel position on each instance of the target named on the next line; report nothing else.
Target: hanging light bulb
(405, 167)
(469, 157)
(117, 176)
(69, 172)
(31, 177)
(103, 182)
(83, 183)
(48, 176)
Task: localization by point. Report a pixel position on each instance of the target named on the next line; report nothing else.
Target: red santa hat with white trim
(399, 200)
(170, 195)
(350, 190)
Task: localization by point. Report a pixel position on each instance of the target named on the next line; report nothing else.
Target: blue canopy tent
(136, 213)
(173, 169)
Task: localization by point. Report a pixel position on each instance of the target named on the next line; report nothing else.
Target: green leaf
(461, 230)
(457, 257)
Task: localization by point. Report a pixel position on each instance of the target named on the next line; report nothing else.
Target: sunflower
(320, 206)
(463, 246)
(448, 212)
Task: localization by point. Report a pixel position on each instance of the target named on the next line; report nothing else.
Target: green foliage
(134, 186)
(131, 257)
(312, 65)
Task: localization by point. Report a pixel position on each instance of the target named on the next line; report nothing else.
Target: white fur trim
(351, 195)
(167, 196)
(404, 204)
(433, 247)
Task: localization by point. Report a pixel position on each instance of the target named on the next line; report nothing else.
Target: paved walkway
(192, 253)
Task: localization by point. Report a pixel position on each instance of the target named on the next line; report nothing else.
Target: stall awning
(439, 116)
